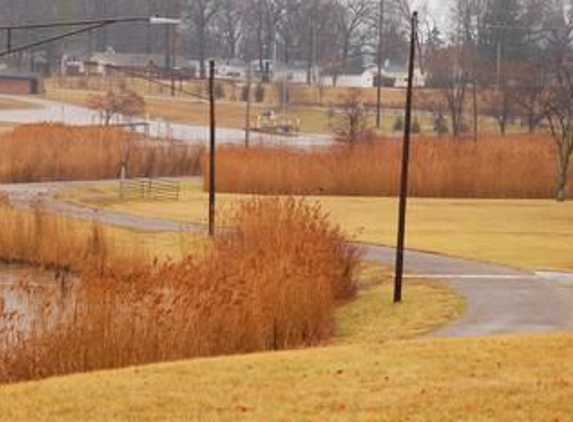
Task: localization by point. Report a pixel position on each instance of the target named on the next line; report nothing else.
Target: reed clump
(512, 167)
(270, 281)
(56, 152)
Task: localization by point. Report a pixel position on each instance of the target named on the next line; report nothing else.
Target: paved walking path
(500, 300)
(58, 112)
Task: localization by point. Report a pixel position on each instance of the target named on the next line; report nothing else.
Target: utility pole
(498, 65)
(173, 58)
(285, 92)
(379, 59)
(249, 100)
(212, 149)
(400, 250)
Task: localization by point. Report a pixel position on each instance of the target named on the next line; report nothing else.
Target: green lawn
(530, 234)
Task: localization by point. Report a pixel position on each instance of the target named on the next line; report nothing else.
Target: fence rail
(150, 189)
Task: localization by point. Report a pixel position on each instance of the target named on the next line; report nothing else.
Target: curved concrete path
(500, 300)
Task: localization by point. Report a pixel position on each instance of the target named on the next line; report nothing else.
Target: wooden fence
(150, 189)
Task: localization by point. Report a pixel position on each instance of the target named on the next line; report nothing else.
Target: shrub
(416, 127)
(398, 124)
(441, 126)
(350, 122)
(271, 282)
(219, 91)
(259, 94)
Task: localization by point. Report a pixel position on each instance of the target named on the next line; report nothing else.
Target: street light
(90, 25)
(84, 26)
(156, 20)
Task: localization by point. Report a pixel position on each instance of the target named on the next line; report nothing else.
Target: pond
(30, 297)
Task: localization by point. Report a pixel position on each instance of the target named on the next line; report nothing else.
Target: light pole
(399, 276)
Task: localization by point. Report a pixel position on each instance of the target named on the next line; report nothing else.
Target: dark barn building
(21, 84)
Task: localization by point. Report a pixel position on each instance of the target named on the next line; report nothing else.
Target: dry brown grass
(49, 152)
(516, 167)
(45, 240)
(299, 94)
(272, 282)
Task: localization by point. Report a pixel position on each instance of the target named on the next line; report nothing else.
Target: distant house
(394, 76)
(20, 84)
(268, 71)
(363, 74)
(296, 73)
(102, 63)
(232, 69)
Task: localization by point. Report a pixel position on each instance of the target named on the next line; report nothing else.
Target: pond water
(31, 296)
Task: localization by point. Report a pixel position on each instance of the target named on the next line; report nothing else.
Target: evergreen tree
(503, 34)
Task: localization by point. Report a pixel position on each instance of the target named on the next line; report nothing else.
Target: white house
(360, 75)
(393, 75)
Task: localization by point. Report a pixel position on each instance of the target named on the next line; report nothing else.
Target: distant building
(102, 63)
(268, 71)
(20, 84)
(362, 74)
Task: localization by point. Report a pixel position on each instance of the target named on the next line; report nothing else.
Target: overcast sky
(439, 10)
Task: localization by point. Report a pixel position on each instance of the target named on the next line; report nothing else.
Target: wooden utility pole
(249, 100)
(212, 149)
(400, 250)
(379, 60)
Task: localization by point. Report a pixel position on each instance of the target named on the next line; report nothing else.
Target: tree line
(330, 33)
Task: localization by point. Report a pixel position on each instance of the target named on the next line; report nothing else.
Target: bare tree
(528, 94)
(352, 18)
(229, 23)
(200, 15)
(351, 122)
(114, 103)
(499, 104)
(559, 115)
(450, 75)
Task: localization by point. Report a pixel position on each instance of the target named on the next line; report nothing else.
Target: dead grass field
(530, 234)
(16, 104)
(299, 95)
(513, 378)
(55, 152)
(364, 328)
(518, 167)
(501, 379)
(230, 114)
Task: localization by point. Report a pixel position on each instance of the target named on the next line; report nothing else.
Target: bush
(219, 91)
(441, 126)
(399, 124)
(416, 127)
(270, 283)
(350, 122)
(260, 93)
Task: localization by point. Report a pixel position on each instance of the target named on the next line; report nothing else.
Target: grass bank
(364, 372)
